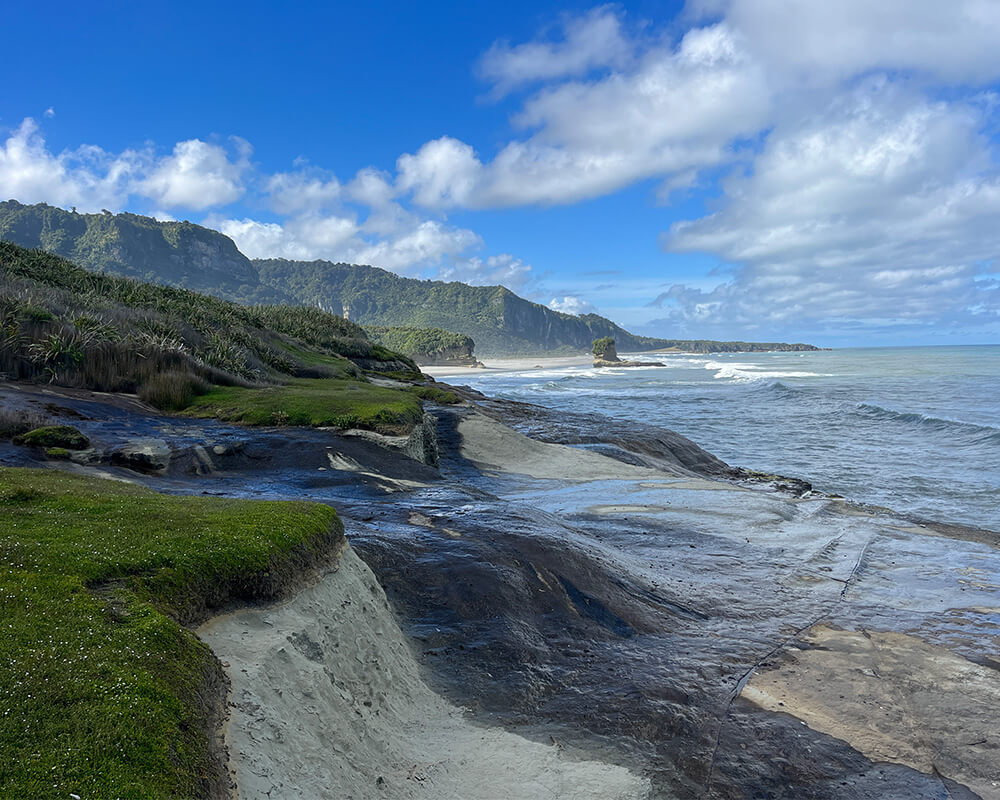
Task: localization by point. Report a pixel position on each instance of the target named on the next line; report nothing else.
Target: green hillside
(175, 253)
(184, 351)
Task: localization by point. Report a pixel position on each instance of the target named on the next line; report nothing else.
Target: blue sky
(755, 169)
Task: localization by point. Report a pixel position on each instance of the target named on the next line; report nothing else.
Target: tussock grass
(103, 693)
(172, 391)
(15, 421)
(69, 326)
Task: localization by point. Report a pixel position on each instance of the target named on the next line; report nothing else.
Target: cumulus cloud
(444, 172)
(502, 269)
(571, 304)
(678, 108)
(198, 175)
(882, 208)
(592, 40)
(954, 42)
(294, 192)
(87, 177)
(422, 244)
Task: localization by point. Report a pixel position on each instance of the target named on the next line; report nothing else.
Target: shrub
(172, 391)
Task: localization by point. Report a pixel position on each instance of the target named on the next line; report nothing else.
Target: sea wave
(987, 432)
(745, 373)
(780, 388)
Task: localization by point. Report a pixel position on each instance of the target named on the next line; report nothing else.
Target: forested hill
(175, 253)
(190, 256)
(500, 322)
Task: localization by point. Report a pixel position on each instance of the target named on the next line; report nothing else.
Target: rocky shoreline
(619, 614)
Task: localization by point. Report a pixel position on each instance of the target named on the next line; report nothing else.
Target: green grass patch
(103, 693)
(315, 402)
(436, 395)
(332, 366)
(54, 436)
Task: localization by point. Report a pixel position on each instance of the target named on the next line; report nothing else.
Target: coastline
(528, 364)
(537, 581)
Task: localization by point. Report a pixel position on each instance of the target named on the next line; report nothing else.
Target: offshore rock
(603, 362)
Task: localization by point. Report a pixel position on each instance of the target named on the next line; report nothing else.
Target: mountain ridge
(192, 256)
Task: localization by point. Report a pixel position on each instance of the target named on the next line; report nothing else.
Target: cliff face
(175, 253)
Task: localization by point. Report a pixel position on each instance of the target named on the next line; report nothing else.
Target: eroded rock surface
(603, 590)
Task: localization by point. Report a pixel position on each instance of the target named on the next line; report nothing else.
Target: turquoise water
(915, 429)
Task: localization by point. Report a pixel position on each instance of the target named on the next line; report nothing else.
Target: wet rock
(143, 455)
(603, 362)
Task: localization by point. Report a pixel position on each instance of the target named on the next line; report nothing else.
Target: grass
(314, 402)
(103, 692)
(172, 390)
(326, 365)
(436, 395)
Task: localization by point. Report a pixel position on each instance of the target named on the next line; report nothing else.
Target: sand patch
(894, 698)
(328, 702)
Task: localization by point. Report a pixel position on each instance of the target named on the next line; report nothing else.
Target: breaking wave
(987, 432)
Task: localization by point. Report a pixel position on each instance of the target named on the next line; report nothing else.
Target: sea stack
(605, 355)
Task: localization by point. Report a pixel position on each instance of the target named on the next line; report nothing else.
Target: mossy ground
(65, 436)
(317, 402)
(436, 395)
(101, 688)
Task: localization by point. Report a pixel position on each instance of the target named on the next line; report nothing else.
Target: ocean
(914, 429)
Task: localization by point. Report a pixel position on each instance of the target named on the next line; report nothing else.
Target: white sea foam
(751, 372)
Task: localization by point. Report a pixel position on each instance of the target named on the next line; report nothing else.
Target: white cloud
(300, 238)
(87, 177)
(198, 175)
(571, 304)
(954, 41)
(881, 209)
(425, 243)
(502, 269)
(371, 187)
(592, 40)
(444, 172)
(294, 192)
(50, 112)
(679, 108)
